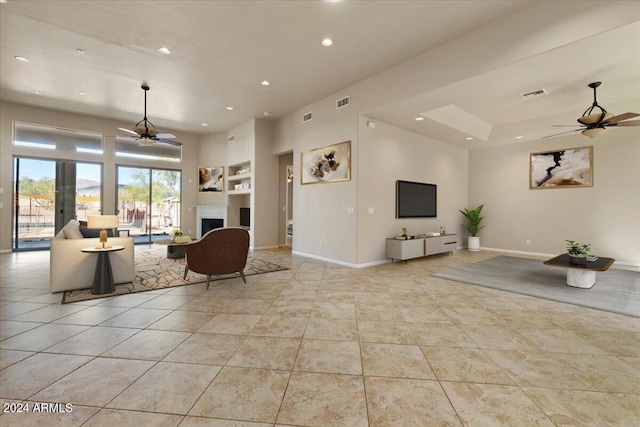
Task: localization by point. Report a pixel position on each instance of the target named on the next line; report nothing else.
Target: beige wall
(10, 112)
(386, 154)
(606, 215)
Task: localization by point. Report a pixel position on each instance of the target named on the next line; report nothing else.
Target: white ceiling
(222, 50)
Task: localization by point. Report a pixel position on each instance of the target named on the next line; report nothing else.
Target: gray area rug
(617, 291)
(153, 270)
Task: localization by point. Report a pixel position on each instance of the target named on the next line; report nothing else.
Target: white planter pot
(473, 243)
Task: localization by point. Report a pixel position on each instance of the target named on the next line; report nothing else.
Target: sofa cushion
(72, 230)
(94, 232)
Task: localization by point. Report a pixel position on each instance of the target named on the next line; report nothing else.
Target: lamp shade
(102, 221)
(593, 132)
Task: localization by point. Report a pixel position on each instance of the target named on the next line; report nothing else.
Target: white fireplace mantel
(209, 212)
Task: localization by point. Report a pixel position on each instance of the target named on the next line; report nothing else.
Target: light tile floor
(317, 345)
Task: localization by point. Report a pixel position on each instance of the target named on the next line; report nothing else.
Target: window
(54, 138)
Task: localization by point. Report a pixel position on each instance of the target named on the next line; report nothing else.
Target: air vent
(534, 94)
(307, 117)
(231, 138)
(343, 102)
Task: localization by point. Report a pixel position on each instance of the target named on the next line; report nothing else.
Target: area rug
(617, 291)
(153, 270)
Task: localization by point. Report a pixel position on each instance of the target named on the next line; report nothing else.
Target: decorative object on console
(326, 164)
(578, 252)
(211, 179)
(103, 222)
(572, 167)
(472, 225)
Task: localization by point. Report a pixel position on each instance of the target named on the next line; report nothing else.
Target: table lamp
(103, 222)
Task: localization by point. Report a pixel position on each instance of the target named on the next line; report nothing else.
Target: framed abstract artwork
(331, 163)
(211, 179)
(566, 168)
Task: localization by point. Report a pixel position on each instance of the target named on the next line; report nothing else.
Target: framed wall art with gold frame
(565, 168)
(331, 163)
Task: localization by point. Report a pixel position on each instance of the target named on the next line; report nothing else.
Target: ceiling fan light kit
(145, 132)
(593, 132)
(596, 123)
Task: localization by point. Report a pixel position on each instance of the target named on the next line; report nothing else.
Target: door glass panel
(49, 193)
(134, 208)
(34, 203)
(88, 190)
(165, 194)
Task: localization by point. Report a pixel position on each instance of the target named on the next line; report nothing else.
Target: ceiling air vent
(534, 94)
(231, 138)
(343, 102)
(307, 117)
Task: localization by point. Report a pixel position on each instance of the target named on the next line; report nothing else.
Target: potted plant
(578, 252)
(473, 226)
(175, 233)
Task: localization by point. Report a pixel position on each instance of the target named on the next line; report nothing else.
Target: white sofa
(71, 269)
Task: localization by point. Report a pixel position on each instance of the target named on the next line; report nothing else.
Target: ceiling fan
(595, 119)
(145, 132)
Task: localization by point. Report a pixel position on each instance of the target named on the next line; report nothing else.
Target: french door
(148, 201)
(47, 194)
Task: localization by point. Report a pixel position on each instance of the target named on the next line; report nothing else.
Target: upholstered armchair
(220, 251)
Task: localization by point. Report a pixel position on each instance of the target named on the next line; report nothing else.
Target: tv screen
(416, 200)
(245, 217)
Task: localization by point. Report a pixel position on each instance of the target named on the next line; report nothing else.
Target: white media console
(420, 246)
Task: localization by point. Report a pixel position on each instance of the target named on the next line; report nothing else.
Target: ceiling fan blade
(561, 133)
(559, 126)
(631, 123)
(128, 130)
(620, 117)
(169, 142)
(165, 135)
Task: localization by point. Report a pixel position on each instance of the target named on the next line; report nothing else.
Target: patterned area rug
(153, 270)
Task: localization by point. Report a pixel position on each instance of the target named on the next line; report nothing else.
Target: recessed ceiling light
(80, 51)
(22, 59)
(36, 92)
(229, 108)
(3, 1)
(164, 50)
(419, 119)
(265, 83)
(519, 137)
(327, 42)
(267, 113)
(469, 138)
(205, 124)
(81, 93)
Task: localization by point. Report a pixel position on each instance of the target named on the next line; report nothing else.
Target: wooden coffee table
(175, 250)
(581, 276)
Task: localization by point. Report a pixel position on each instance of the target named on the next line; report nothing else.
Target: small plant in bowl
(578, 252)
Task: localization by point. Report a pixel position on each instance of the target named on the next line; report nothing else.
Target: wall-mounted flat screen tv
(245, 217)
(416, 200)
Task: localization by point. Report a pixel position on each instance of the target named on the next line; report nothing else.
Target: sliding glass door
(47, 194)
(148, 202)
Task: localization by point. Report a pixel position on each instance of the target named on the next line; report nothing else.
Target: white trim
(5, 251)
(265, 247)
(623, 265)
(333, 261)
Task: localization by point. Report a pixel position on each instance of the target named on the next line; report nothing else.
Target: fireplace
(210, 217)
(208, 224)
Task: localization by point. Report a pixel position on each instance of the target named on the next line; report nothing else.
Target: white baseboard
(617, 264)
(5, 251)
(264, 247)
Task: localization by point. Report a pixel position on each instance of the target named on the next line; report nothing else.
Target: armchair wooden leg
(208, 280)
(242, 274)
(186, 270)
